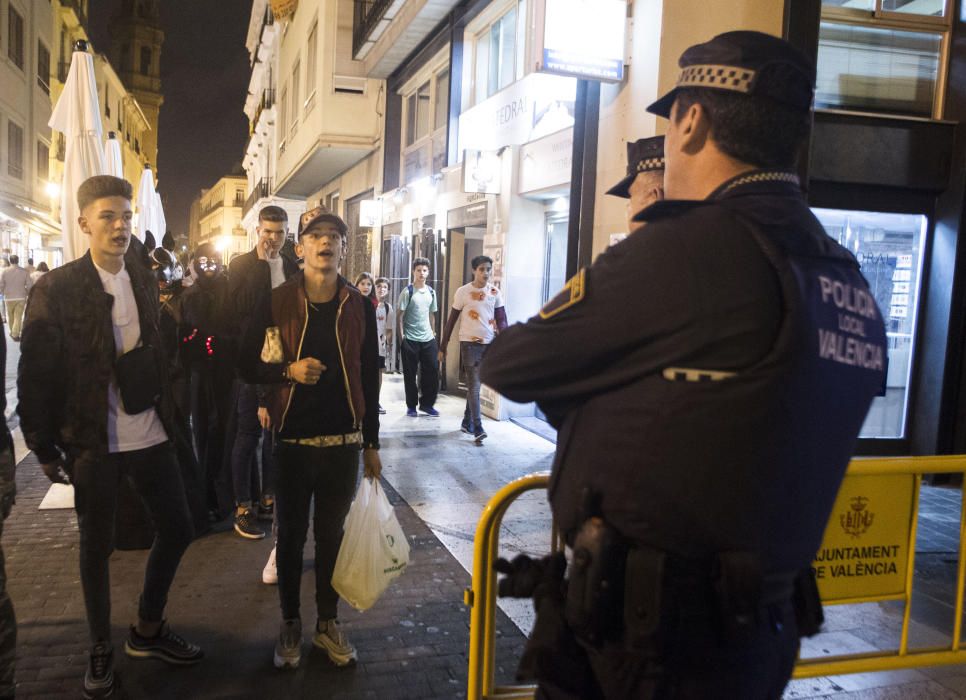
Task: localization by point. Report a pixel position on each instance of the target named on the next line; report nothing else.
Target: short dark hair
(273, 213)
(421, 261)
(382, 280)
(14, 259)
(30, 261)
(100, 186)
(479, 260)
(754, 130)
(42, 267)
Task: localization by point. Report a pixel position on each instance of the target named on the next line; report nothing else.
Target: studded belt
(327, 440)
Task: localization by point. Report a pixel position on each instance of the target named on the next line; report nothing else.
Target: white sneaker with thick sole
(270, 572)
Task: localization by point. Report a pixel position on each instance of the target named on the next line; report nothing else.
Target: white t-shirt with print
(476, 306)
(127, 432)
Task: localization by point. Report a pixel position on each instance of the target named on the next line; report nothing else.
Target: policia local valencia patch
(572, 294)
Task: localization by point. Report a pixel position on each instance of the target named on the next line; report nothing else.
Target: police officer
(644, 183)
(8, 492)
(700, 448)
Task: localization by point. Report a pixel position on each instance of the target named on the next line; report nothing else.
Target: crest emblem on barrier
(857, 520)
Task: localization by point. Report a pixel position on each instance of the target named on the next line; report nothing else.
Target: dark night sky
(204, 77)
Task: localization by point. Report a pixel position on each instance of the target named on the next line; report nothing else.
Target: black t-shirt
(322, 408)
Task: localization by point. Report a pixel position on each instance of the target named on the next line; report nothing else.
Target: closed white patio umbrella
(112, 156)
(147, 206)
(77, 115)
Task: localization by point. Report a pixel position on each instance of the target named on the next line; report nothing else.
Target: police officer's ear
(692, 123)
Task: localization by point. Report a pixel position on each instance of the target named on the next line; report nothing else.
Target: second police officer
(700, 449)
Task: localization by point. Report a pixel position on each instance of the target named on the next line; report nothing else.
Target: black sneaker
(99, 681)
(480, 435)
(246, 527)
(266, 508)
(465, 426)
(166, 646)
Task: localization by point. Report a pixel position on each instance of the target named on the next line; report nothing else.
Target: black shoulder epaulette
(668, 208)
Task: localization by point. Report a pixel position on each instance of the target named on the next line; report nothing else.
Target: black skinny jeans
(156, 477)
(424, 358)
(329, 475)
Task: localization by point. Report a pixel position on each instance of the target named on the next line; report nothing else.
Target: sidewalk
(413, 644)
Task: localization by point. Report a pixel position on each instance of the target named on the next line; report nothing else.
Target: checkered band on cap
(649, 164)
(720, 77)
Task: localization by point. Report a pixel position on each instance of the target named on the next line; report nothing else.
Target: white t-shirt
(476, 306)
(277, 266)
(383, 315)
(126, 432)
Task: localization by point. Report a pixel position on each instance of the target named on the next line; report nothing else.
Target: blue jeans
(471, 355)
(246, 442)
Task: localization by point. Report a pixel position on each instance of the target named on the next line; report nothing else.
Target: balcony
(385, 32)
(77, 6)
(267, 102)
(262, 189)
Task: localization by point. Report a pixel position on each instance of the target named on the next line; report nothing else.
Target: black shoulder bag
(138, 379)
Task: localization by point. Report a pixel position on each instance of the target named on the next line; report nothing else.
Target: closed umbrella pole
(77, 117)
(112, 156)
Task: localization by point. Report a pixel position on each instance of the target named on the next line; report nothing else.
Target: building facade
(219, 217)
(120, 111)
(261, 107)
(445, 134)
(28, 227)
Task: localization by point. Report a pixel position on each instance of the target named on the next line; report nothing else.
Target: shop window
(14, 150)
(15, 36)
(882, 56)
(889, 248)
(499, 52)
(426, 115)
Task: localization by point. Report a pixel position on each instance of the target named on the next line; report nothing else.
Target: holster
(737, 581)
(807, 603)
(595, 590)
(643, 597)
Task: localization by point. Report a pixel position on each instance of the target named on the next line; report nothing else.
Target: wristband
(370, 445)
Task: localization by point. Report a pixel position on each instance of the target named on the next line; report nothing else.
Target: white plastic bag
(374, 548)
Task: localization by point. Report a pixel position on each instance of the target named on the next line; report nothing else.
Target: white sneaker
(270, 572)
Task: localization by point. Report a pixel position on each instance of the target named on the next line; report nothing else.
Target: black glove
(530, 578)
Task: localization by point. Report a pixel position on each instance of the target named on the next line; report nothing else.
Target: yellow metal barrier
(481, 596)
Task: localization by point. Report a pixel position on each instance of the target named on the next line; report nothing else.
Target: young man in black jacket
(251, 278)
(81, 318)
(322, 366)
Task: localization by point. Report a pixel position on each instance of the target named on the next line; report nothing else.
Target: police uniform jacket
(722, 412)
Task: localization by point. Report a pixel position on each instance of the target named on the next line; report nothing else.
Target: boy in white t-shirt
(484, 317)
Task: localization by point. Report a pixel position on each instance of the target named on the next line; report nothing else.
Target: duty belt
(327, 440)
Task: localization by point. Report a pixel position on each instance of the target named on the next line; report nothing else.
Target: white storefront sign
(481, 172)
(536, 105)
(547, 162)
(581, 38)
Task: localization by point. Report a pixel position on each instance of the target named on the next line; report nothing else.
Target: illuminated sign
(534, 106)
(581, 38)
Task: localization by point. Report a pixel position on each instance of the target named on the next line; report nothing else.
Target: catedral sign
(865, 550)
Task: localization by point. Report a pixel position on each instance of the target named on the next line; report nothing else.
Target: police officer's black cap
(643, 156)
(749, 63)
(324, 218)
